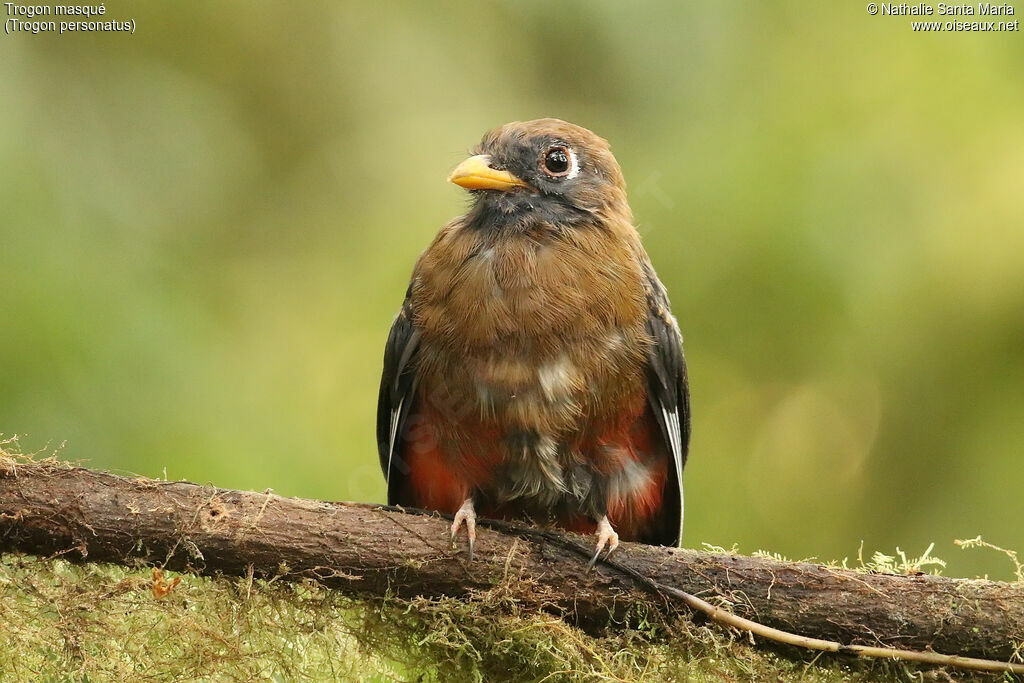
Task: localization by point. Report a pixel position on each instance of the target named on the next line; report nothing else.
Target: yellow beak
(475, 173)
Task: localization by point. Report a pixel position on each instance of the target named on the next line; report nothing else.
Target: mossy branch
(367, 550)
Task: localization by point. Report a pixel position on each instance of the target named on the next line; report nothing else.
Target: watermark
(61, 19)
(951, 18)
(651, 187)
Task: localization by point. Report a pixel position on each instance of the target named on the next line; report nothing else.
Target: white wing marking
(391, 441)
(675, 438)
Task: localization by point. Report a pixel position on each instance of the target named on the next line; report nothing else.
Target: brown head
(543, 171)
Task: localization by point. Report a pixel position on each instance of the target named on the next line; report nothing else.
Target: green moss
(66, 622)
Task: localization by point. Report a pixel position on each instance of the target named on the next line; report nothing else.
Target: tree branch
(367, 550)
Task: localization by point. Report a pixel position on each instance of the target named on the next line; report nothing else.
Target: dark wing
(397, 391)
(669, 395)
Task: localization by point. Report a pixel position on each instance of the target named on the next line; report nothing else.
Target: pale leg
(467, 514)
(606, 536)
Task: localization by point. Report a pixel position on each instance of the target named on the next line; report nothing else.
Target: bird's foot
(466, 514)
(606, 536)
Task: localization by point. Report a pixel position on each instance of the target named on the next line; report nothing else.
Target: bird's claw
(605, 536)
(466, 514)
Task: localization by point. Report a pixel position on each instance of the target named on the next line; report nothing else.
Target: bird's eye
(559, 162)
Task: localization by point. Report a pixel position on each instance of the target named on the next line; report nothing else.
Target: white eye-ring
(560, 161)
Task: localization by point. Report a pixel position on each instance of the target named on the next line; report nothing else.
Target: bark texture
(367, 550)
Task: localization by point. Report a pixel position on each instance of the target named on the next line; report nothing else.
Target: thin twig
(727, 618)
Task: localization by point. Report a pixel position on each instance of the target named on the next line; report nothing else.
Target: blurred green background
(207, 227)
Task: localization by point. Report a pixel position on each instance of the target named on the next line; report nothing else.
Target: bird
(535, 371)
